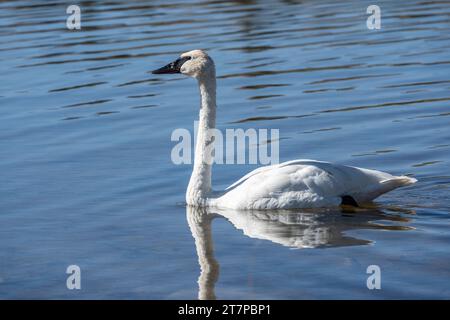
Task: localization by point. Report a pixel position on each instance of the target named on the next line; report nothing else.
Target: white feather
(306, 184)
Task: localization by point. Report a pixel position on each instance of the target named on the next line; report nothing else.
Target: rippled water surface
(86, 176)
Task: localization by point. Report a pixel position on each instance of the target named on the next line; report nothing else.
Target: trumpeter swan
(292, 184)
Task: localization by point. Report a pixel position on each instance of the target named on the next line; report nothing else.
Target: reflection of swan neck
(200, 225)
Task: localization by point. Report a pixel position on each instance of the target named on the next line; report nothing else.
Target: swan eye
(188, 58)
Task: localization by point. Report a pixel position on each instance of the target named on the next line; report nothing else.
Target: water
(86, 175)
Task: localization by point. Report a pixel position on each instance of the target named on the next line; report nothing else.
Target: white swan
(292, 184)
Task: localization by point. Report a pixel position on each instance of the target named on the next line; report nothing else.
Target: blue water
(86, 176)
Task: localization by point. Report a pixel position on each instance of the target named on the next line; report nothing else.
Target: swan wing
(266, 169)
(248, 175)
(307, 183)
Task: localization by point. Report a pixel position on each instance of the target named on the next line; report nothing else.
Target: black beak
(173, 67)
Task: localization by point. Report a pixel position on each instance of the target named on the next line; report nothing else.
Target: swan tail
(400, 181)
(385, 186)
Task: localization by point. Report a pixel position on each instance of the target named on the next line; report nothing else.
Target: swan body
(289, 185)
(307, 184)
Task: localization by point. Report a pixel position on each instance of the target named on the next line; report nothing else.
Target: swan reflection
(294, 229)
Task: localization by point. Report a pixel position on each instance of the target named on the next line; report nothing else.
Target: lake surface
(86, 176)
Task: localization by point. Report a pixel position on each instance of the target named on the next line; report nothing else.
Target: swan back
(307, 184)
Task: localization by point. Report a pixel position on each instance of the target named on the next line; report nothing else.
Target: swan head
(195, 64)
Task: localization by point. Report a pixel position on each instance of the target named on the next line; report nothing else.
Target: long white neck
(200, 183)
